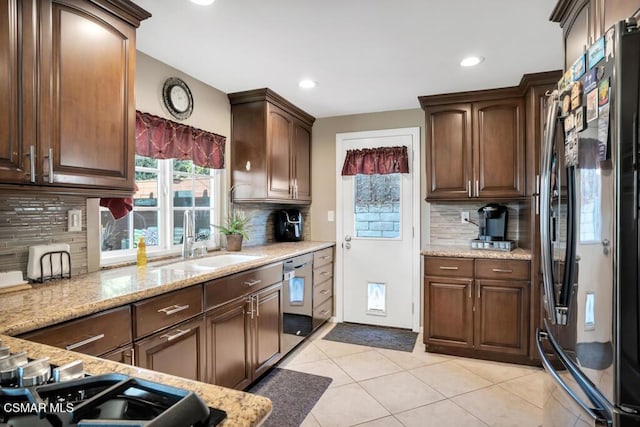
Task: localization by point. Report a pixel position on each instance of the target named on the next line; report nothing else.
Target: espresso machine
(492, 223)
(288, 225)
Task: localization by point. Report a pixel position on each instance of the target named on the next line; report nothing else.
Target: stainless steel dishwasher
(298, 305)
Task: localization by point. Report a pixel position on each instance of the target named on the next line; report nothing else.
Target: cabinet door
(17, 65)
(87, 111)
(177, 351)
(267, 348)
(448, 312)
(498, 146)
(577, 31)
(502, 316)
(122, 355)
(228, 353)
(448, 143)
(301, 157)
(279, 136)
(618, 10)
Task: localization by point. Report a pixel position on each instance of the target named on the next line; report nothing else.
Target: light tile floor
(386, 388)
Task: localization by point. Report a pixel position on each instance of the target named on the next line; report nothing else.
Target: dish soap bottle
(142, 252)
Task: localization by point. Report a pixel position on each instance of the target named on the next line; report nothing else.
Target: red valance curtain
(160, 138)
(381, 160)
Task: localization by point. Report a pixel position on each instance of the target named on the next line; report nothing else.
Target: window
(166, 189)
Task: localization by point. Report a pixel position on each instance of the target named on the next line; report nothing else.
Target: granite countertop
(467, 252)
(56, 301)
(243, 409)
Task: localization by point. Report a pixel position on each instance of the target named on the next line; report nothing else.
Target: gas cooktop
(33, 393)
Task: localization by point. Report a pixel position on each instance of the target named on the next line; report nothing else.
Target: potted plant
(234, 229)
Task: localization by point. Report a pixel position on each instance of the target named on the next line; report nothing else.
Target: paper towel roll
(49, 268)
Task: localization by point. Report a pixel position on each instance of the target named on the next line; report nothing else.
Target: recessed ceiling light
(203, 2)
(307, 84)
(470, 61)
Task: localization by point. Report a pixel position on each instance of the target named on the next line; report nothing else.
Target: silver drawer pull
(173, 309)
(448, 268)
(324, 291)
(324, 312)
(501, 270)
(324, 273)
(84, 342)
(325, 257)
(178, 334)
(252, 282)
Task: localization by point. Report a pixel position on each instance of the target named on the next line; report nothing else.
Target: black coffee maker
(288, 225)
(492, 223)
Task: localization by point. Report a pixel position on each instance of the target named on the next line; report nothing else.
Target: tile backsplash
(37, 220)
(261, 228)
(446, 228)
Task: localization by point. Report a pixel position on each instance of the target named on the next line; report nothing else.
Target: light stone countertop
(59, 300)
(467, 252)
(243, 409)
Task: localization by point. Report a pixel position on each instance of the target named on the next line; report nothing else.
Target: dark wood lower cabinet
(244, 338)
(122, 355)
(179, 350)
(448, 311)
(502, 316)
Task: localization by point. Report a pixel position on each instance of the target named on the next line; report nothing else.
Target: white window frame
(165, 210)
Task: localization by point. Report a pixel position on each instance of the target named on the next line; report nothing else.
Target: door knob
(347, 238)
(347, 245)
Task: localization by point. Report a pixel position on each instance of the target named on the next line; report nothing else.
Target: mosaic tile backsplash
(261, 228)
(38, 220)
(446, 228)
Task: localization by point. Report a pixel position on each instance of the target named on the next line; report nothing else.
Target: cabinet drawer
(322, 273)
(165, 310)
(223, 290)
(94, 335)
(450, 267)
(322, 257)
(502, 269)
(322, 312)
(322, 291)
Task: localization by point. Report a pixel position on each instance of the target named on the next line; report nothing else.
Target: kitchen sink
(209, 263)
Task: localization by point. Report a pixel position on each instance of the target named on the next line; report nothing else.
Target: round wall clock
(177, 98)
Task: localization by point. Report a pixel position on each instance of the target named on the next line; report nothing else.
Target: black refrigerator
(590, 343)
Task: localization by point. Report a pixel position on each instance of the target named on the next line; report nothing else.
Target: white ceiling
(366, 55)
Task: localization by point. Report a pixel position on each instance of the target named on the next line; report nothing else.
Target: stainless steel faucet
(188, 237)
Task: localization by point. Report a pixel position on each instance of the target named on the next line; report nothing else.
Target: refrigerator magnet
(603, 92)
(578, 67)
(576, 95)
(566, 104)
(590, 80)
(592, 105)
(608, 43)
(579, 120)
(603, 131)
(596, 52)
(569, 122)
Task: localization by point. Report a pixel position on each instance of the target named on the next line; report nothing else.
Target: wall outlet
(464, 217)
(331, 216)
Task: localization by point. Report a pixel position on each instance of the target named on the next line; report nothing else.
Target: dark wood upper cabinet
(475, 144)
(270, 149)
(449, 151)
(68, 109)
(584, 21)
(498, 144)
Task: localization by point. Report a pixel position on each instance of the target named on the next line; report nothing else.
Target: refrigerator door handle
(634, 156)
(545, 208)
(600, 415)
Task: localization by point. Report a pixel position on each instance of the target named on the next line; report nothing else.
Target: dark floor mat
(292, 393)
(373, 336)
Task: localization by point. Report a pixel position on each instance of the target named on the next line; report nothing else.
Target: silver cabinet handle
(323, 312)
(84, 342)
(469, 290)
(501, 270)
(478, 290)
(133, 356)
(325, 257)
(50, 158)
(250, 301)
(324, 273)
(178, 334)
(173, 309)
(444, 267)
(257, 306)
(537, 195)
(324, 291)
(252, 282)
(32, 162)
(477, 188)
(469, 187)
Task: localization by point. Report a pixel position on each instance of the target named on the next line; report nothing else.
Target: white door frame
(414, 132)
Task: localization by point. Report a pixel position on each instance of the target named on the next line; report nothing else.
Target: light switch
(74, 220)
(331, 216)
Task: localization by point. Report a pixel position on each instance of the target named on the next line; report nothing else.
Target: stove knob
(67, 372)
(9, 366)
(4, 351)
(34, 373)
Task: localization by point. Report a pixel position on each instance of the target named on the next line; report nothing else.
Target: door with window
(378, 249)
